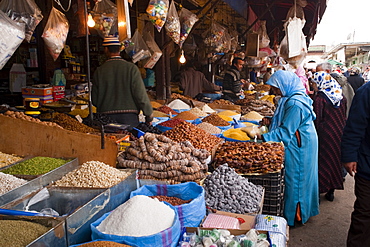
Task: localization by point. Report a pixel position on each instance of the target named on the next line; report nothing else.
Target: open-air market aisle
(330, 227)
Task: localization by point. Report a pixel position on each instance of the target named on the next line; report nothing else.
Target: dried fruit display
(263, 107)
(159, 157)
(251, 157)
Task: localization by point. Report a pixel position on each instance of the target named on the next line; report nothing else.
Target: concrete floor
(330, 227)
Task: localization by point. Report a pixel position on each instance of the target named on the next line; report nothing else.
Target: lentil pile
(167, 110)
(186, 115)
(35, 166)
(9, 182)
(19, 233)
(104, 244)
(174, 201)
(209, 128)
(215, 120)
(159, 157)
(172, 122)
(93, 174)
(72, 124)
(7, 159)
(199, 138)
(139, 216)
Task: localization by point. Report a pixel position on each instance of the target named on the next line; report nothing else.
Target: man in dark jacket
(232, 84)
(355, 148)
(118, 89)
(355, 79)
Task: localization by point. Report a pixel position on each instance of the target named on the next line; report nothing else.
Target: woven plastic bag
(173, 24)
(12, 35)
(23, 11)
(105, 16)
(157, 11)
(190, 214)
(55, 32)
(187, 20)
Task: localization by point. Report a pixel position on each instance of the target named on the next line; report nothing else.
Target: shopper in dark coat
(330, 108)
(355, 79)
(356, 159)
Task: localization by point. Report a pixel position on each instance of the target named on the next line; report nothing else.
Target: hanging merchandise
(12, 35)
(55, 32)
(137, 48)
(173, 24)
(187, 20)
(105, 17)
(213, 37)
(234, 46)
(157, 11)
(264, 39)
(155, 52)
(23, 11)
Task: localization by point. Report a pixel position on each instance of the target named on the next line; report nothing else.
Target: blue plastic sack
(190, 214)
(166, 238)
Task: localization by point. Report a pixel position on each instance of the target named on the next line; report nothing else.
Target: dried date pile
(173, 200)
(72, 124)
(263, 107)
(251, 157)
(188, 132)
(159, 157)
(230, 192)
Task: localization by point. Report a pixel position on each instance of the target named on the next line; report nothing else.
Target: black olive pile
(148, 128)
(98, 118)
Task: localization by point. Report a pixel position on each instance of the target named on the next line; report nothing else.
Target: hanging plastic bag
(12, 35)
(23, 11)
(213, 37)
(155, 52)
(264, 39)
(173, 23)
(187, 20)
(137, 48)
(55, 32)
(157, 11)
(105, 17)
(296, 40)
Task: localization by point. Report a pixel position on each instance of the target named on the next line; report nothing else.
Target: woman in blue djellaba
(293, 125)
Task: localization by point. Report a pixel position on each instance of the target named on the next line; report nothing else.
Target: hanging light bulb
(90, 21)
(182, 57)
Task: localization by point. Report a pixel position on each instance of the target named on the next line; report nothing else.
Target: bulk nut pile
(72, 124)
(230, 192)
(222, 102)
(173, 200)
(9, 182)
(159, 157)
(21, 115)
(209, 128)
(263, 107)
(251, 157)
(186, 115)
(93, 174)
(7, 159)
(188, 132)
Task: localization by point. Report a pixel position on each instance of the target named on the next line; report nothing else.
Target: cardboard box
(34, 91)
(246, 221)
(58, 89)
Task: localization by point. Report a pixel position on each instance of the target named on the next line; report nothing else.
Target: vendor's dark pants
(359, 231)
(126, 118)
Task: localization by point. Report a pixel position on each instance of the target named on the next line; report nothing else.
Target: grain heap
(178, 104)
(35, 166)
(7, 159)
(186, 115)
(19, 232)
(230, 192)
(226, 118)
(155, 104)
(9, 182)
(93, 174)
(215, 120)
(72, 124)
(159, 157)
(139, 216)
(21, 115)
(251, 157)
(222, 102)
(159, 114)
(236, 134)
(252, 116)
(188, 132)
(209, 128)
(198, 112)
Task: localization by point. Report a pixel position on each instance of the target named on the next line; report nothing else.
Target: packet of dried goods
(23, 11)
(187, 20)
(157, 11)
(173, 23)
(105, 17)
(55, 32)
